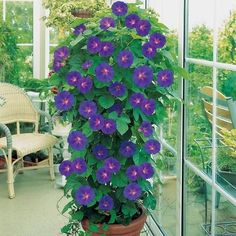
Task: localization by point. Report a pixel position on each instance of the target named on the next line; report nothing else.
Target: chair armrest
(49, 118)
(7, 133)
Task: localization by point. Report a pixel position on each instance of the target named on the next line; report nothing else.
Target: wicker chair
(16, 107)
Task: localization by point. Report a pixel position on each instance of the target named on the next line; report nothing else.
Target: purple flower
(148, 106)
(77, 140)
(117, 89)
(100, 152)
(87, 109)
(103, 175)
(165, 78)
(84, 195)
(117, 107)
(146, 170)
(132, 191)
(107, 49)
(61, 53)
(112, 165)
(109, 126)
(131, 21)
(79, 29)
(148, 50)
(132, 172)
(96, 122)
(84, 85)
(127, 149)
(136, 99)
(106, 23)
(106, 203)
(104, 72)
(157, 40)
(79, 166)
(57, 65)
(125, 59)
(66, 168)
(64, 101)
(87, 64)
(119, 8)
(73, 78)
(143, 27)
(146, 128)
(143, 76)
(152, 146)
(94, 45)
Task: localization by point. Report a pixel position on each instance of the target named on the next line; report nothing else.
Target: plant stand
(62, 134)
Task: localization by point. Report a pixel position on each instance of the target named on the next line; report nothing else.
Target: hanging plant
(114, 78)
(62, 12)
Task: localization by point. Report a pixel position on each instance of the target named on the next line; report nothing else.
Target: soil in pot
(133, 229)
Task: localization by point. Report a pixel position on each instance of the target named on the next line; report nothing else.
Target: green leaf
(182, 72)
(129, 209)
(113, 217)
(113, 115)
(86, 129)
(140, 158)
(106, 101)
(93, 228)
(66, 228)
(105, 227)
(119, 180)
(78, 216)
(122, 127)
(136, 114)
(159, 164)
(150, 202)
(77, 40)
(145, 184)
(67, 207)
(76, 154)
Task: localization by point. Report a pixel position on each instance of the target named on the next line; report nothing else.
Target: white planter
(61, 129)
(232, 109)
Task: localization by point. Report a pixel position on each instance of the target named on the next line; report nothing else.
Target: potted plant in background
(62, 12)
(114, 81)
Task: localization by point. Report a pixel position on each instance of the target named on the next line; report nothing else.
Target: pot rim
(141, 218)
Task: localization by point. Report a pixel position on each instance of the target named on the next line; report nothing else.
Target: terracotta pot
(133, 229)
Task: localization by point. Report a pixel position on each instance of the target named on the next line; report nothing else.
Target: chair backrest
(223, 117)
(16, 106)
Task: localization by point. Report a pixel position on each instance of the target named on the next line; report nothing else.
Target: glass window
(226, 13)
(197, 205)
(19, 15)
(200, 28)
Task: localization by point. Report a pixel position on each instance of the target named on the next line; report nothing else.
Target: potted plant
(114, 83)
(229, 89)
(62, 12)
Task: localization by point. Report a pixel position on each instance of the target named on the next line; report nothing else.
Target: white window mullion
(4, 10)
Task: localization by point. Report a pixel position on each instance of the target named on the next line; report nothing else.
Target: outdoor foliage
(9, 68)
(113, 77)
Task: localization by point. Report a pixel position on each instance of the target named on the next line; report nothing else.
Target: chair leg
(22, 166)
(10, 177)
(51, 166)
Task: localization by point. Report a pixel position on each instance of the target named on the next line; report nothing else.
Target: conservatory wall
(196, 187)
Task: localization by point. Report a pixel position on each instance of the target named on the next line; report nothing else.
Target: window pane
(197, 205)
(226, 133)
(19, 15)
(226, 13)
(199, 123)
(25, 62)
(200, 38)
